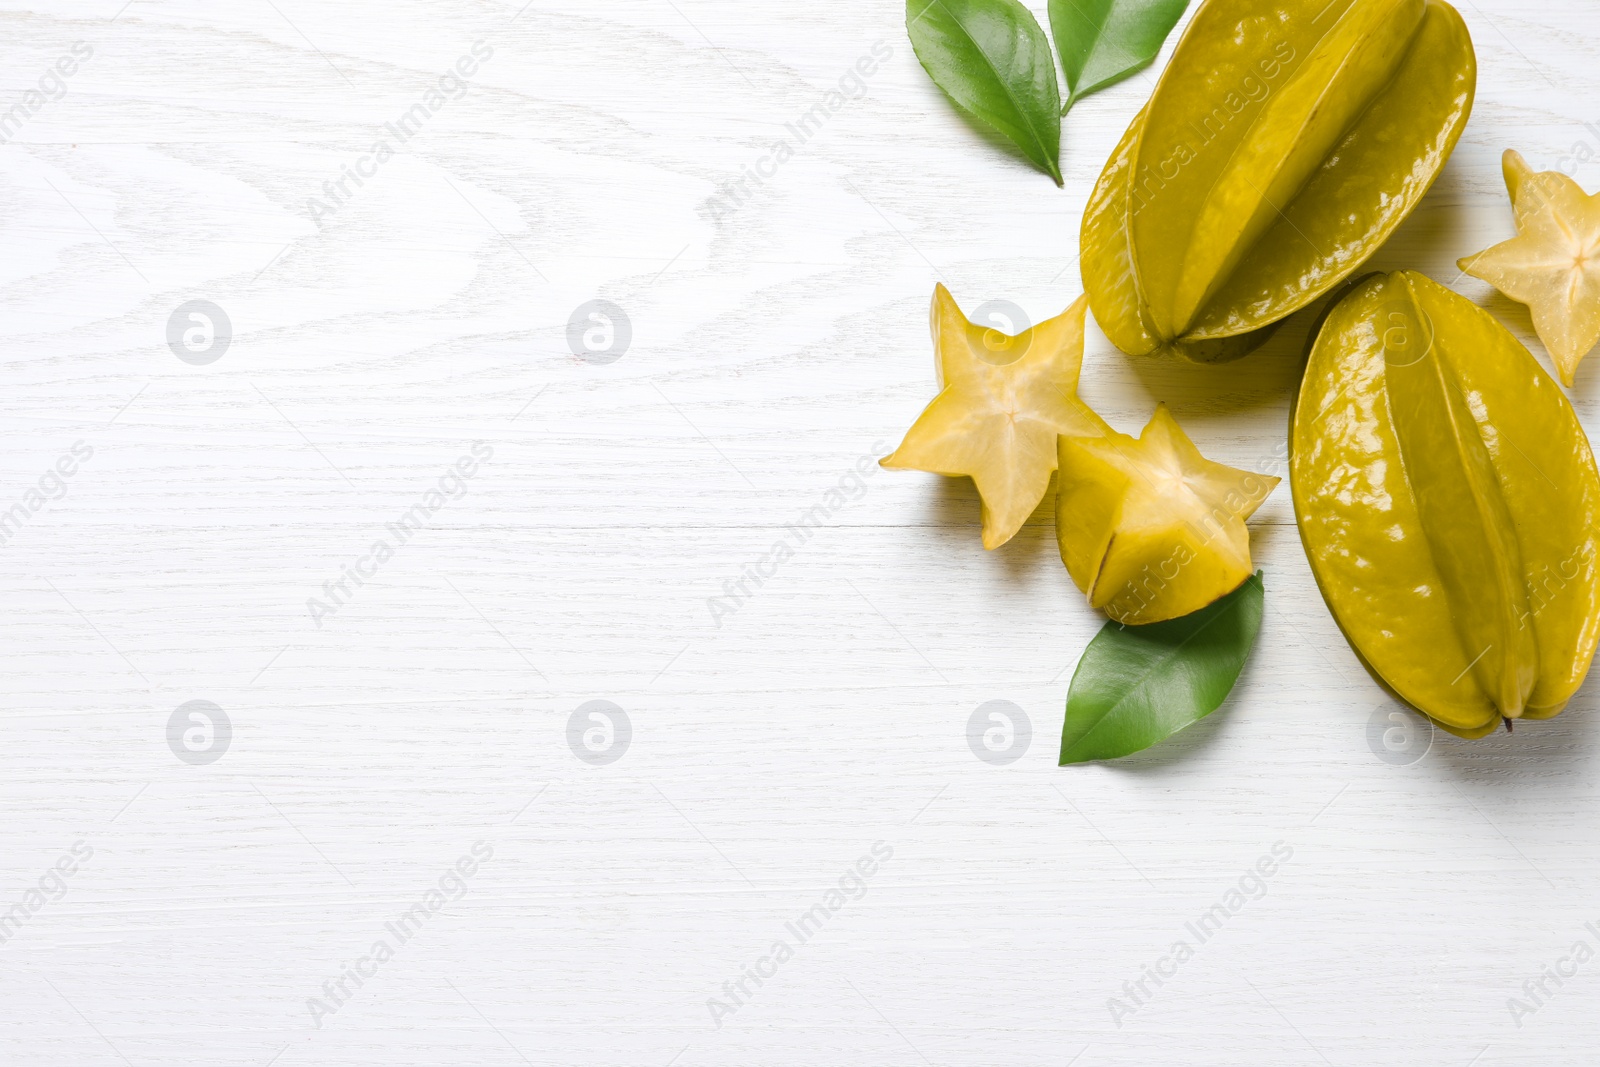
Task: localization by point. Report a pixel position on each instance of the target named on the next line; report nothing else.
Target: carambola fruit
(1284, 143)
(1150, 529)
(1002, 401)
(1449, 505)
(1553, 264)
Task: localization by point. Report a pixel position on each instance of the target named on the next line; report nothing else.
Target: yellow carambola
(1149, 528)
(1284, 143)
(1002, 402)
(1553, 264)
(1449, 505)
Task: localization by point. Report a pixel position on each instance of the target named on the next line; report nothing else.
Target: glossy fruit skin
(1449, 505)
(1149, 529)
(1279, 150)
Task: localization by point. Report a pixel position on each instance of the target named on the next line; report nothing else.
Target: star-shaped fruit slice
(1553, 264)
(1150, 529)
(1002, 402)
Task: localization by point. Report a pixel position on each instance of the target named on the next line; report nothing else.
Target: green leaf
(1137, 685)
(993, 60)
(1103, 41)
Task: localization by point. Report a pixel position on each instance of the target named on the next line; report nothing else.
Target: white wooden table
(233, 869)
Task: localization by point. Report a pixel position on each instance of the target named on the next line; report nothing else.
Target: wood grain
(773, 346)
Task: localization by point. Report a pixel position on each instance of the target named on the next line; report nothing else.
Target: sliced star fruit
(1150, 529)
(1002, 402)
(1553, 264)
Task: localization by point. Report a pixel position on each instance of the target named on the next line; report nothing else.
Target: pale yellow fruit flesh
(1150, 529)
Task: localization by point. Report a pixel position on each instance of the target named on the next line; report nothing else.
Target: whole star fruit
(1003, 400)
(1150, 529)
(1449, 505)
(1553, 264)
(1283, 144)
